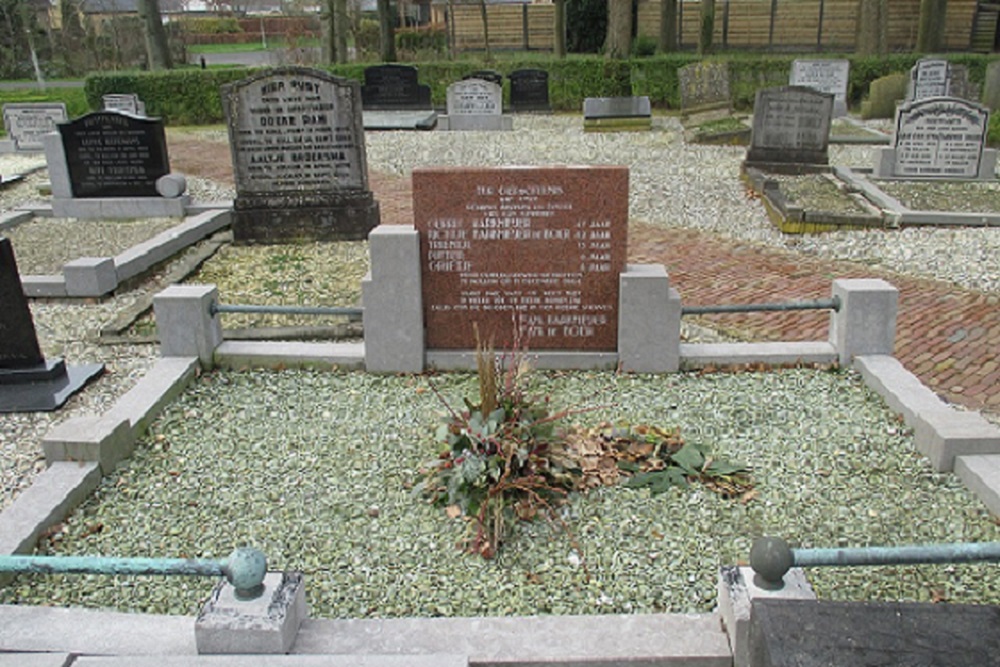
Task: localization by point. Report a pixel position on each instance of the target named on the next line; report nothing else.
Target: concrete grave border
(98, 276)
(81, 450)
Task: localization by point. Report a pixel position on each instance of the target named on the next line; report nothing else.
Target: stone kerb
(865, 324)
(186, 323)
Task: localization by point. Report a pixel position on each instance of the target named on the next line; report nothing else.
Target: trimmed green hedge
(191, 96)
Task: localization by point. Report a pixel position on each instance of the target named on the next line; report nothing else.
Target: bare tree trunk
(329, 40)
(873, 27)
(707, 31)
(559, 27)
(486, 30)
(157, 49)
(386, 33)
(341, 24)
(668, 25)
(930, 30)
(618, 41)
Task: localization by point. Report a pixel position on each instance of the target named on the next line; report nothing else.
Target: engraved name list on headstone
(826, 76)
(941, 138)
(26, 123)
(299, 157)
(522, 248)
(791, 125)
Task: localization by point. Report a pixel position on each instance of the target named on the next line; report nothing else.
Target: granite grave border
(99, 276)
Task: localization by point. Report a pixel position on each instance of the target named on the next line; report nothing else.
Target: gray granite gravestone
(298, 150)
(938, 138)
(807, 633)
(529, 90)
(107, 164)
(705, 89)
(27, 123)
(617, 114)
(475, 104)
(930, 77)
(28, 382)
(124, 102)
(791, 126)
(826, 76)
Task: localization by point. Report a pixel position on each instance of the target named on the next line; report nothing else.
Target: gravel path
(672, 185)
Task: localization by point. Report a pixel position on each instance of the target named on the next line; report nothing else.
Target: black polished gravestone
(28, 382)
(808, 633)
(111, 154)
(529, 90)
(394, 88)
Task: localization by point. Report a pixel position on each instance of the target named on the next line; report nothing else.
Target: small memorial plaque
(474, 97)
(110, 154)
(18, 341)
(528, 248)
(299, 157)
(529, 90)
(939, 138)
(617, 107)
(791, 124)
(124, 102)
(826, 76)
(27, 123)
(394, 88)
(929, 78)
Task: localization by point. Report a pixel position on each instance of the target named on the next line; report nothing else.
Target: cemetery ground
(314, 467)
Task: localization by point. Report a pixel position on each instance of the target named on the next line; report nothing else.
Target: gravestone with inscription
(112, 165)
(530, 248)
(930, 77)
(298, 149)
(791, 126)
(529, 90)
(28, 382)
(475, 104)
(394, 88)
(826, 76)
(705, 91)
(616, 114)
(938, 138)
(124, 102)
(27, 123)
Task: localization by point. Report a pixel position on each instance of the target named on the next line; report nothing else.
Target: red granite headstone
(534, 248)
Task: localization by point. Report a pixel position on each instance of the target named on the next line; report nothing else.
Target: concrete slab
(25, 628)
(118, 207)
(902, 391)
(945, 433)
(266, 624)
(400, 120)
(266, 354)
(700, 355)
(142, 256)
(595, 641)
(35, 659)
(787, 633)
(161, 384)
(12, 219)
(439, 660)
(981, 474)
(90, 438)
(44, 286)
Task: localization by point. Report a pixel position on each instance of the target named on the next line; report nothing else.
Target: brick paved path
(948, 336)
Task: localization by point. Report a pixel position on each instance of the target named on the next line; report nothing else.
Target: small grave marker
(486, 75)
(791, 126)
(27, 123)
(524, 247)
(930, 77)
(705, 91)
(939, 138)
(29, 383)
(604, 114)
(124, 102)
(110, 154)
(475, 104)
(826, 76)
(299, 158)
(529, 90)
(394, 88)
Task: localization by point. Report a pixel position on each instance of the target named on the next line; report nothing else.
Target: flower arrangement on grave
(507, 458)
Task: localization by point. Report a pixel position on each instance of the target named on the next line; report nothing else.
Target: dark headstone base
(787, 156)
(43, 372)
(46, 394)
(787, 633)
(787, 168)
(350, 219)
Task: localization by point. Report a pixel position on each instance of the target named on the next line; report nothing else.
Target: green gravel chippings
(314, 468)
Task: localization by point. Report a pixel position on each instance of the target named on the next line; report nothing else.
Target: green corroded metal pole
(771, 557)
(244, 568)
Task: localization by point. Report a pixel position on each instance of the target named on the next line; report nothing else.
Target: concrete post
(866, 321)
(649, 320)
(184, 321)
(393, 304)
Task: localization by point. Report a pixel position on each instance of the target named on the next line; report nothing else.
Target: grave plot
(317, 469)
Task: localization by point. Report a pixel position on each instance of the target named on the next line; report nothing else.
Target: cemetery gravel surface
(689, 212)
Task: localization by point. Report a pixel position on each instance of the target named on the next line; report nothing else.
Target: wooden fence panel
(506, 26)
